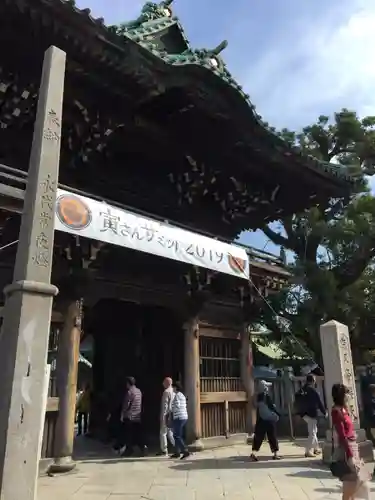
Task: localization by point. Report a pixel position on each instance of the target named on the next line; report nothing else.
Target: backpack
(300, 402)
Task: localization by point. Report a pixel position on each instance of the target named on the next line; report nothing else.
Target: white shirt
(166, 402)
(179, 409)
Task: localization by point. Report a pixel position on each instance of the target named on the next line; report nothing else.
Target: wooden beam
(221, 397)
(270, 269)
(214, 331)
(11, 198)
(12, 192)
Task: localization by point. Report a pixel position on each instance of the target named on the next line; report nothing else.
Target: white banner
(89, 218)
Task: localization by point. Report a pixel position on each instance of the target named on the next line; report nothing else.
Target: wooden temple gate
(194, 150)
(222, 404)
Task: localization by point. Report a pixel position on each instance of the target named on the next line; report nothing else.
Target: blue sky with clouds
(297, 59)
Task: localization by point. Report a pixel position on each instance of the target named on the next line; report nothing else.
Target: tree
(333, 248)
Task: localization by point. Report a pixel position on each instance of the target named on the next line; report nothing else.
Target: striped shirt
(179, 410)
(132, 406)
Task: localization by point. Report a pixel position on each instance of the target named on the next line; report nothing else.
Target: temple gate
(157, 130)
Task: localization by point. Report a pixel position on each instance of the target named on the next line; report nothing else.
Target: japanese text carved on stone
(47, 191)
(348, 374)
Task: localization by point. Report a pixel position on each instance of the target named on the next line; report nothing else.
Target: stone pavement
(224, 473)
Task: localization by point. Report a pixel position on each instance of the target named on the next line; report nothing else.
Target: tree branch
(349, 272)
(288, 227)
(277, 238)
(336, 150)
(312, 245)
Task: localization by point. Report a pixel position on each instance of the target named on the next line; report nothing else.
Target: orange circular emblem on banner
(73, 212)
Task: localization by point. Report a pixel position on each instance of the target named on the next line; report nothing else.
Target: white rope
(305, 351)
(9, 245)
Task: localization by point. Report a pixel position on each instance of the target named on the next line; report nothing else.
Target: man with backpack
(308, 403)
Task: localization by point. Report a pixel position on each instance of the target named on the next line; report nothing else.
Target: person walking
(352, 471)
(180, 417)
(166, 432)
(267, 417)
(83, 410)
(78, 395)
(131, 419)
(310, 405)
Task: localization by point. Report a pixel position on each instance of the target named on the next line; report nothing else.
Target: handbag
(339, 468)
(265, 413)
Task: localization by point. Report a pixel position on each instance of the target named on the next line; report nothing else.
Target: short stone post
(338, 369)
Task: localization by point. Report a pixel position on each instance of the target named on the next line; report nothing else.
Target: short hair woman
(267, 417)
(180, 417)
(354, 483)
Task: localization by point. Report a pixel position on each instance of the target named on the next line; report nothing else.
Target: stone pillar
(27, 313)
(246, 364)
(192, 384)
(338, 369)
(67, 371)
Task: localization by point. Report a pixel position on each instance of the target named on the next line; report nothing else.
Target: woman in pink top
(354, 484)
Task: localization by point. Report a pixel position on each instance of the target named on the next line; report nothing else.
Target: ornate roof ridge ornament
(151, 11)
(213, 55)
(216, 51)
(206, 57)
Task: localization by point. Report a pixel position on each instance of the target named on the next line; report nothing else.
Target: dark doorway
(145, 342)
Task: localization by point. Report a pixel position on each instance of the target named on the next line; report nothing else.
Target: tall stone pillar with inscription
(67, 372)
(192, 384)
(338, 369)
(27, 315)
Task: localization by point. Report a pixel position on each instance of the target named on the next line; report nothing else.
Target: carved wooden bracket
(195, 304)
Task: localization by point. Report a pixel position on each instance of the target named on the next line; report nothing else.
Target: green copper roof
(160, 35)
(150, 30)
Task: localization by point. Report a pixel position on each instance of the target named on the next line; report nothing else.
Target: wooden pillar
(67, 371)
(247, 377)
(192, 384)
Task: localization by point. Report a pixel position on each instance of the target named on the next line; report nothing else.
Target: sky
(297, 59)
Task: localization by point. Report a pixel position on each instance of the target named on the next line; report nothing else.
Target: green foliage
(347, 140)
(334, 249)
